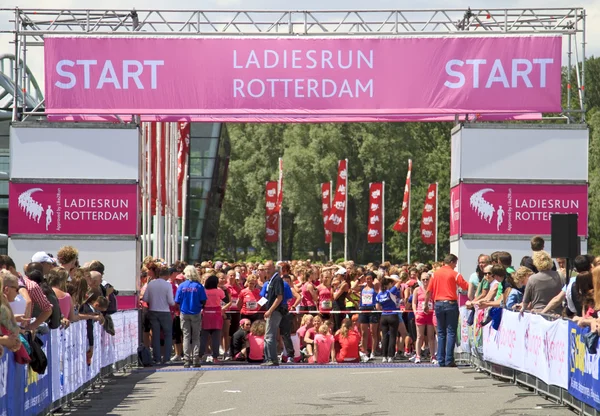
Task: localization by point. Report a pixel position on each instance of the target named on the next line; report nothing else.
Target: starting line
(178, 368)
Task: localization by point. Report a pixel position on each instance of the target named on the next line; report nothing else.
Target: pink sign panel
(78, 209)
(518, 209)
(290, 78)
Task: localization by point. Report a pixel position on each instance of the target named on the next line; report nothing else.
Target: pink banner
(291, 78)
(518, 209)
(454, 211)
(77, 209)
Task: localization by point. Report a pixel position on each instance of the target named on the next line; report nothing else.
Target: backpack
(39, 361)
(144, 356)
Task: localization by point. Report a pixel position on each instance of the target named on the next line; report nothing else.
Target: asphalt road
(358, 390)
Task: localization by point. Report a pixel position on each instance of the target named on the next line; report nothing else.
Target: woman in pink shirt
(424, 320)
(310, 296)
(325, 296)
(234, 288)
(256, 342)
(309, 337)
(324, 346)
(248, 300)
(212, 317)
(305, 325)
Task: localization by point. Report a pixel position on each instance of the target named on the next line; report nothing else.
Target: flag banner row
(326, 206)
(375, 226)
(272, 212)
(429, 217)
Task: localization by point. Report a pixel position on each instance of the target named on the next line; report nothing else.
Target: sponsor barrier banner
(88, 209)
(516, 209)
(531, 344)
(584, 368)
(259, 79)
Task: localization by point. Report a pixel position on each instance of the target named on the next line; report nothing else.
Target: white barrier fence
(68, 370)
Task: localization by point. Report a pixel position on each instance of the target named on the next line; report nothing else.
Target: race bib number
(251, 305)
(367, 299)
(326, 304)
(234, 301)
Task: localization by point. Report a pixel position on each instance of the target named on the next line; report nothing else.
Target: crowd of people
(297, 311)
(52, 292)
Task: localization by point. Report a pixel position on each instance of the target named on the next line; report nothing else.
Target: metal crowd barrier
(555, 394)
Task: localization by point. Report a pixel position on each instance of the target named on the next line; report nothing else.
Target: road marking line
(214, 382)
(331, 394)
(232, 391)
(373, 372)
(222, 411)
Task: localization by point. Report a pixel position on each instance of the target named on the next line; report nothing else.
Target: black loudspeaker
(565, 242)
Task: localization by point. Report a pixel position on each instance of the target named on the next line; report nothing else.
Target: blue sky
(35, 58)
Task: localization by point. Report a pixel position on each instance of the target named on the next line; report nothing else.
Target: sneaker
(417, 360)
(186, 365)
(197, 364)
(216, 361)
(221, 351)
(363, 357)
(209, 359)
(434, 361)
(270, 364)
(412, 359)
(385, 360)
(371, 357)
(407, 354)
(176, 359)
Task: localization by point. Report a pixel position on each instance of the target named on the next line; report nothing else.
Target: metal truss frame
(31, 25)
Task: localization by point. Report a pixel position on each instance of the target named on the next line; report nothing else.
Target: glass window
(199, 188)
(203, 147)
(205, 129)
(202, 167)
(198, 208)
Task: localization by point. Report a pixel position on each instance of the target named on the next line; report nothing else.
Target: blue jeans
(158, 321)
(271, 337)
(446, 314)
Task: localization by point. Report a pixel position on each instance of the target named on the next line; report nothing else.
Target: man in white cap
(48, 262)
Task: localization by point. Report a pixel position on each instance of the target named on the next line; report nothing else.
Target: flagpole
(408, 219)
(279, 190)
(383, 222)
(436, 220)
(346, 215)
(331, 236)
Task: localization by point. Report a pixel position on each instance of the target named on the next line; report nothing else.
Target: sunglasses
(487, 274)
(425, 280)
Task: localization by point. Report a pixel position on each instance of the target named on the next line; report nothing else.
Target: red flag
(374, 234)
(402, 224)
(154, 129)
(429, 219)
(183, 148)
(280, 186)
(337, 213)
(272, 213)
(326, 201)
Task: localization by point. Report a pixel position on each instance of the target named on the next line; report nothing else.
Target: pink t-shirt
(214, 297)
(301, 332)
(325, 299)
(323, 343)
(234, 294)
(257, 346)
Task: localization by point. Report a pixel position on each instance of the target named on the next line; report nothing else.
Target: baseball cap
(341, 270)
(42, 257)
(172, 270)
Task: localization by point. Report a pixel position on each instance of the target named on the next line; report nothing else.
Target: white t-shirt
(569, 296)
(18, 305)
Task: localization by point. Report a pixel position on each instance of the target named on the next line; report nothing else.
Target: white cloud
(35, 54)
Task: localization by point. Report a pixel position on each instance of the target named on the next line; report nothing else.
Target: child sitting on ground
(256, 342)
(324, 346)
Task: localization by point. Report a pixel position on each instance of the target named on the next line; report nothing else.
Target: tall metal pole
(569, 53)
(436, 220)
(280, 222)
(184, 205)
(150, 144)
(16, 68)
(331, 237)
(383, 222)
(159, 202)
(167, 182)
(583, 40)
(408, 219)
(346, 214)
(142, 186)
